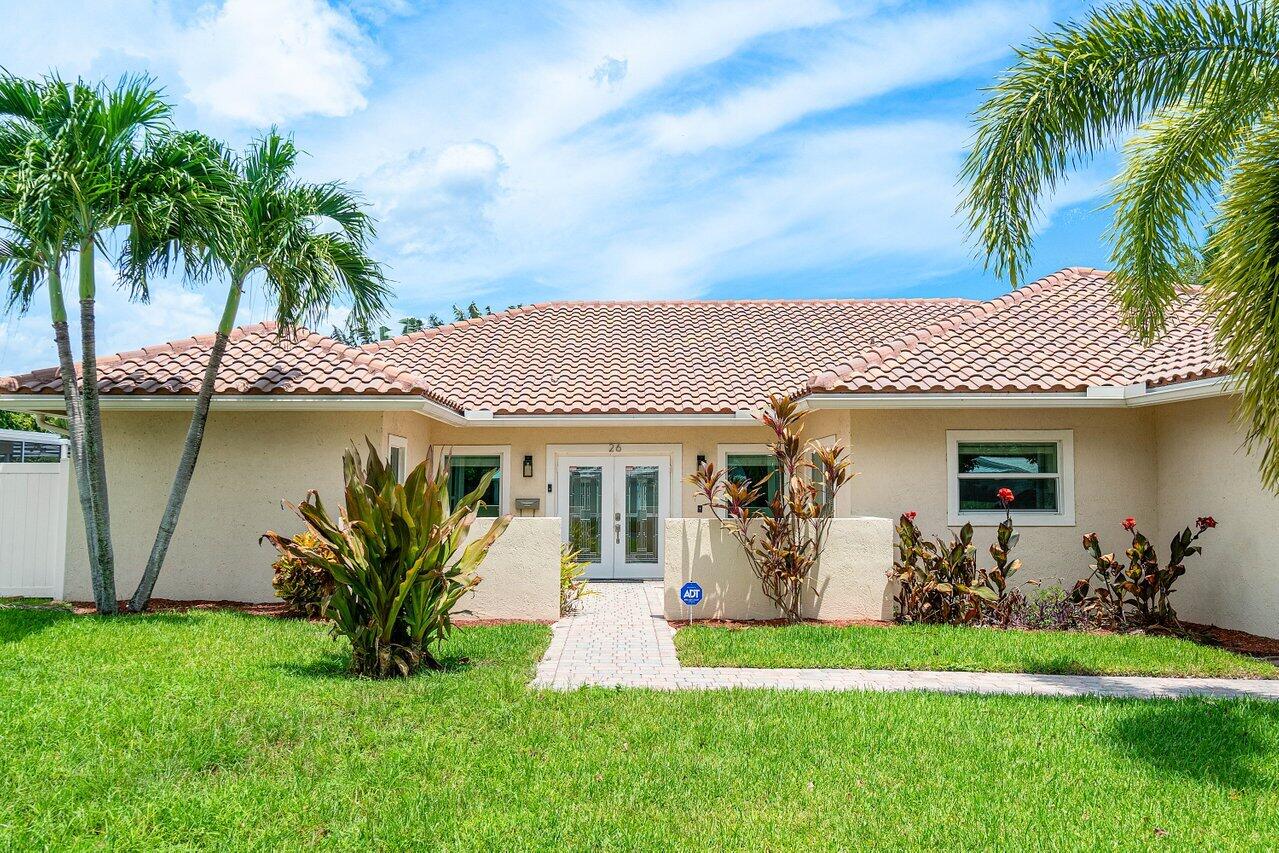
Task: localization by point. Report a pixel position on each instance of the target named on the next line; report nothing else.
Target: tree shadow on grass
(17, 624)
(1227, 743)
(338, 665)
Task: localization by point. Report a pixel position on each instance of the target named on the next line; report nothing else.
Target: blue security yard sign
(691, 593)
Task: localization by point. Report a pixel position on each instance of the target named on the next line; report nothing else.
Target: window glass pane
(1038, 457)
(465, 473)
(585, 508)
(395, 461)
(641, 513)
(751, 468)
(14, 450)
(1032, 495)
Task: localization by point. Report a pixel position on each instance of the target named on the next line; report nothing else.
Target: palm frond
(1243, 289)
(1076, 90)
(1172, 171)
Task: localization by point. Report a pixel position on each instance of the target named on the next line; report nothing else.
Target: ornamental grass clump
(1136, 593)
(396, 559)
(784, 542)
(939, 582)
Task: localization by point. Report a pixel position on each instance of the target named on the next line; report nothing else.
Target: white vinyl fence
(34, 472)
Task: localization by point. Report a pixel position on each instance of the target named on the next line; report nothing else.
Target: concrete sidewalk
(620, 638)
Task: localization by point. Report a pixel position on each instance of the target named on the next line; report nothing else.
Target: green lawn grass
(945, 647)
(237, 732)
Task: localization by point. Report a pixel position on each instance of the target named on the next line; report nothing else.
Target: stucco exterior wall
(1203, 470)
(1167, 464)
(900, 457)
(249, 462)
(849, 583)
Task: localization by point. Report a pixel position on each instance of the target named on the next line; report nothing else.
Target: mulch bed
(1239, 642)
(778, 623)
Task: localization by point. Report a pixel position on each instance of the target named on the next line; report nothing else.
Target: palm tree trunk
(94, 451)
(75, 422)
(190, 453)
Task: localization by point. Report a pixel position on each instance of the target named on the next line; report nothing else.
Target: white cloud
(247, 61)
(264, 61)
(866, 60)
(438, 204)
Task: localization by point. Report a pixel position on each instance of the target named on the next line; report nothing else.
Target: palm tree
(78, 163)
(305, 243)
(1195, 87)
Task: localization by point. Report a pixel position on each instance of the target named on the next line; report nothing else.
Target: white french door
(613, 510)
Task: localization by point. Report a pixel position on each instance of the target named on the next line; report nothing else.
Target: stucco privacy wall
(849, 583)
(900, 457)
(520, 577)
(248, 463)
(1204, 470)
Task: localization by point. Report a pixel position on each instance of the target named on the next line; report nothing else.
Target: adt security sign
(691, 593)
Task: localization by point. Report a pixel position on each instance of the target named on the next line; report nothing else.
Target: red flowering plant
(1136, 593)
(783, 545)
(940, 582)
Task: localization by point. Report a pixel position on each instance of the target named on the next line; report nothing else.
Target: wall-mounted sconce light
(701, 460)
(528, 466)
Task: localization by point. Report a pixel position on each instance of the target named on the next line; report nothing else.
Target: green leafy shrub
(573, 584)
(1136, 593)
(939, 582)
(301, 584)
(398, 563)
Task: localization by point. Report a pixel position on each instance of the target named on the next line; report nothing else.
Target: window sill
(1020, 519)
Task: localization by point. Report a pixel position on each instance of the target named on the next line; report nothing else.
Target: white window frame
(503, 452)
(401, 444)
(1065, 441)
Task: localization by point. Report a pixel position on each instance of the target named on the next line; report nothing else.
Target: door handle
(617, 528)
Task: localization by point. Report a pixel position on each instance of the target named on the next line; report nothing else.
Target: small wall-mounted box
(525, 504)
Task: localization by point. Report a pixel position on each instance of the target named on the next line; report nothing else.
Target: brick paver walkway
(619, 638)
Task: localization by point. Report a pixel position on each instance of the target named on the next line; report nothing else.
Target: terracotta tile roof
(257, 361)
(649, 357)
(1061, 333)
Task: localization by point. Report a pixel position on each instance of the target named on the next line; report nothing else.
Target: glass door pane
(642, 513)
(586, 511)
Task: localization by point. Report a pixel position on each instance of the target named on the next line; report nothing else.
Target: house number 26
(615, 448)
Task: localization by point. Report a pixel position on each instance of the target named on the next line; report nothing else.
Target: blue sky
(521, 152)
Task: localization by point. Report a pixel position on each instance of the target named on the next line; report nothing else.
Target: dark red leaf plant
(785, 542)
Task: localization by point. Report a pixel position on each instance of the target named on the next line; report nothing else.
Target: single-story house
(593, 413)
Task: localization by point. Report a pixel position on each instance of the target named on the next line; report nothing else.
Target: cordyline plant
(1136, 594)
(784, 544)
(396, 559)
(940, 582)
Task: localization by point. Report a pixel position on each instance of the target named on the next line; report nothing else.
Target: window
(468, 465)
(749, 464)
(26, 450)
(397, 456)
(1038, 466)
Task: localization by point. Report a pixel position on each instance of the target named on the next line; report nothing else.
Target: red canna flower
(1005, 496)
(1205, 522)
(910, 516)
(1130, 523)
